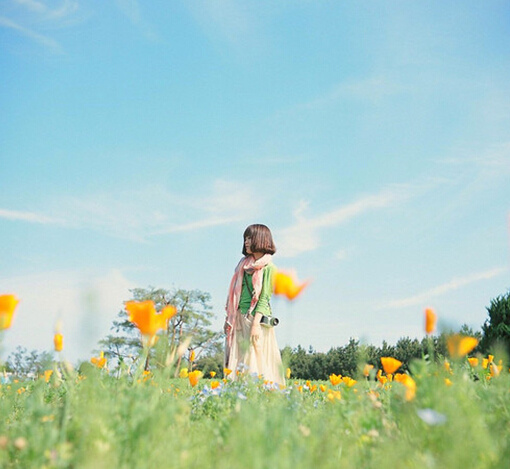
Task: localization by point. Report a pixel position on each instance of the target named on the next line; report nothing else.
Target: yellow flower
(143, 315)
(322, 388)
(8, 305)
(367, 369)
(491, 358)
(495, 370)
(212, 373)
(335, 379)
(194, 376)
(409, 383)
(100, 361)
(447, 382)
(473, 361)
(58, 342)
(349, 382)
(485, 363)
(430, 320)
(226, 371)
(447, 366)
(390, 364)
(313, 388)
(192, 356)
(183, 373)
(288, 373)
(334, 395)
(459, 345)
(47, 375)
(382, 379)
(285, 284)
(214, 384)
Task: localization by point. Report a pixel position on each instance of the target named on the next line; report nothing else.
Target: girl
(248, 343)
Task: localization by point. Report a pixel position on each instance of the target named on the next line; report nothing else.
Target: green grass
(100, 421)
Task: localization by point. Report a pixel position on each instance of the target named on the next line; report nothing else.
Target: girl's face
(247, 245)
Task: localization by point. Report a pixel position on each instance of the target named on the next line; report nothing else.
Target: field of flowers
(448, 412)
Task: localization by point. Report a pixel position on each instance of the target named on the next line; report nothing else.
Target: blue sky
(139, 139)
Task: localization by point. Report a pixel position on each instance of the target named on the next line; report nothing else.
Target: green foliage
(496, 329)
(192, 322)
(101, 421)
(347, 359)
(24, 364)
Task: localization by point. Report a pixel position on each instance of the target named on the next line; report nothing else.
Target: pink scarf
(249, 265)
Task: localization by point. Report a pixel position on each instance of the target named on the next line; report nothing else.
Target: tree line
(191, 330)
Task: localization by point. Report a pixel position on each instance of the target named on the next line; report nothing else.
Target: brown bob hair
(261, 239)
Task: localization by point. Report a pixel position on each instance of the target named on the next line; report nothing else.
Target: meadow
(448, 411)
(454, 415)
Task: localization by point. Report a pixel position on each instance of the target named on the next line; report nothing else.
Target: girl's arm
(255, 330)
(263, 307)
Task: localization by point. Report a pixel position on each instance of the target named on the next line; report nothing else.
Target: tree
(191, 324)
(496, 329)
(25, 364)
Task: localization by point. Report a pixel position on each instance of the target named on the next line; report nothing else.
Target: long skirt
(260, 357)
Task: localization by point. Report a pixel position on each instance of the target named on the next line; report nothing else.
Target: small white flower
(431, 417)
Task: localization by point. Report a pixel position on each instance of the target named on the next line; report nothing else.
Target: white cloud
(227, 17)
(50, 10)
(425, 297)
(29, 16)
(304, 234)
(341, 254)
(85, 302)
(28, 217)
(131, 9)
(33, 5)
(140, 214)
(41, 39)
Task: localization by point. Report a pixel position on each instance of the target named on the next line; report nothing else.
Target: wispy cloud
(30, 217)
(476, 175)
(86, 301)
(131, 9)
(372, 89)
(32, 5)
(304, 234)
(142, 214)
(40, 39)
(28, 17)
(228, 19)
(61, 9)
(454, 284)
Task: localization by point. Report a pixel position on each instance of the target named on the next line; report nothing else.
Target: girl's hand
(255, 331)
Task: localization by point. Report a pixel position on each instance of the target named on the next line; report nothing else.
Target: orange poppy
(8, 305)
(366, 369)
(473, 361)
(143, 315)
(58, 342)
(100, 361)
(459, 345)
(409, 383)
(390, 365)
(430, 320)
(335, 379)
(286, 285)
(193, 377)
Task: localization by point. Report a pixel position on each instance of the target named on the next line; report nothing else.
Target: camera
(269, 321)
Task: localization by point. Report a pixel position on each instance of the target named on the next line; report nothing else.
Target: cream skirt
(260, 358)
